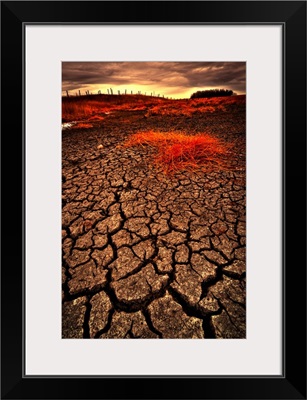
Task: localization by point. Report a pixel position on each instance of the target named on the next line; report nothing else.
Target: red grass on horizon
(76, 108)
(177, 151)
(190, 107)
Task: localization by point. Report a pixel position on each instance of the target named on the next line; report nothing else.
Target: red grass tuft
(96, 118)
(176, 151)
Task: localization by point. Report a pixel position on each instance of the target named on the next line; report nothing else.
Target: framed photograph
(160, 196)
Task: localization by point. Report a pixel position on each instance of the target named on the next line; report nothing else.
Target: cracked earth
(150, 255)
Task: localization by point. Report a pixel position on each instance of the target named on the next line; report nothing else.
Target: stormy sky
(171, 79)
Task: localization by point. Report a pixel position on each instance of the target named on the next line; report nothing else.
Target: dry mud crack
(146, 255)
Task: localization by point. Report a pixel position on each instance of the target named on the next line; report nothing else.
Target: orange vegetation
(96, 118)
(176, 151)
(96, 107)
(82, 125)
(74, 111)
(189, 107)
(182, 108)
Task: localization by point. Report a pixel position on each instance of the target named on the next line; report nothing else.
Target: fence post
(118, 92)
(111, 90)
(67, 93)
(79, 93)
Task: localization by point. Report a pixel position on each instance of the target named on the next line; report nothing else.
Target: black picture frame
(292, 16)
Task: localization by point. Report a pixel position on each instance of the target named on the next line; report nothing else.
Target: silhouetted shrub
(212, 93)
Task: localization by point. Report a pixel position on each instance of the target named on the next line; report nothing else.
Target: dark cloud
(168, 76)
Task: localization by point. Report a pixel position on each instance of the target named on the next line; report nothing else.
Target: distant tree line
(212, 93)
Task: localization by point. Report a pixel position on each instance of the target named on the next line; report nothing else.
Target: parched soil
(150, 255)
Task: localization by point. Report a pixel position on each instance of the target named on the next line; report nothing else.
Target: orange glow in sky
(171, 79)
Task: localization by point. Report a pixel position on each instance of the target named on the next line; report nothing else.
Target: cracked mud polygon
(149, 254)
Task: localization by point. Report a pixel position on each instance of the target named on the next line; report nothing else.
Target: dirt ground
(149, 255)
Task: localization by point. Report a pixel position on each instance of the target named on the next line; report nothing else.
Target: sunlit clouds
(171, 79)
